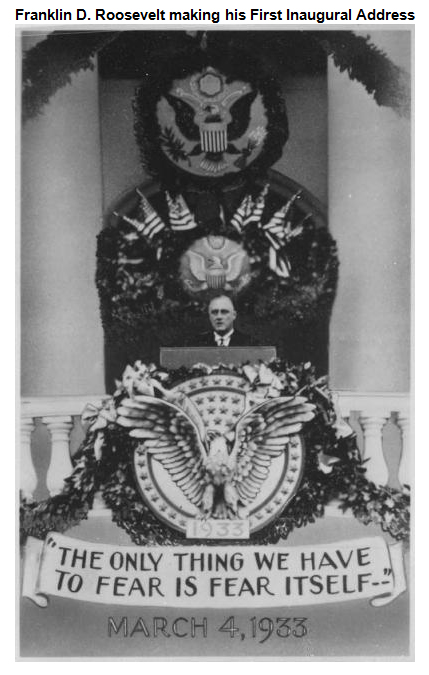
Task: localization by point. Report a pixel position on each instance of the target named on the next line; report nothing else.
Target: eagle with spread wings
(213, 271)
(221, 474)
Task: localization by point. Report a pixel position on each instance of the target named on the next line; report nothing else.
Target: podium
(177, 357)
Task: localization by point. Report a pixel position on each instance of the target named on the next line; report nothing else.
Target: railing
(60, 415)
(381, 422)
(373, 413)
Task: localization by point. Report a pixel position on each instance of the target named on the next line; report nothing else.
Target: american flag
(152, 223)
(249, 211)
(149, 223)
(180, 216)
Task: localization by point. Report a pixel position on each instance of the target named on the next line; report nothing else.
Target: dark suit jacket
(238, 339)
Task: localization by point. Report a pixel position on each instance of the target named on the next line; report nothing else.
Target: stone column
(27, 473)
(61, 212)
(376, 467)
(60, 466)
(405, 464)
(370, 217)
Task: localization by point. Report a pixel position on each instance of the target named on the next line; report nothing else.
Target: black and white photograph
(215, 339)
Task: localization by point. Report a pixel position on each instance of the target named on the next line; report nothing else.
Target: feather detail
(262, 435)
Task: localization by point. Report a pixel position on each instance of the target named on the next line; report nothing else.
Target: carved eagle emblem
(215, 262)
(214, 272)
(220, 473)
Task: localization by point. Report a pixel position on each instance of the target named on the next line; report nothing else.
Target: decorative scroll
(234, 577)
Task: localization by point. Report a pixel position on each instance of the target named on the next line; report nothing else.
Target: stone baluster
(27, 472)
(60, 466)
(376, 467)
(405, 464)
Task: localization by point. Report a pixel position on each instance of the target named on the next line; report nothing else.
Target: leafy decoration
(113, 475)
(173, 145)
(49, 65)
(365, 63)
(135, 297)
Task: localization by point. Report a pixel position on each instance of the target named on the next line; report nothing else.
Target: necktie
(221, 342)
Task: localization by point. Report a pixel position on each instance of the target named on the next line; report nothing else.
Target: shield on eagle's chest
(221, 399)
(214, 263)
(212, 125)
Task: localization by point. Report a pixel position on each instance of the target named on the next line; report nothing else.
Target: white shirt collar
(225, 338)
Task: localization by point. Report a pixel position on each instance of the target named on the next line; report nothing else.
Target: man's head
(222, 314)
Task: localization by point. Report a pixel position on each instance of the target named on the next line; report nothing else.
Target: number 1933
(264, 628)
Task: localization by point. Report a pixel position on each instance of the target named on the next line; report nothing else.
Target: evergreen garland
(333, 470)
(147, 293)
(48, 66)
(238, 63)
(365, 63)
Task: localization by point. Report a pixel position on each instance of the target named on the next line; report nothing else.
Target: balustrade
(59, 414)
(28, 475)
(60, 466)
(406, 464)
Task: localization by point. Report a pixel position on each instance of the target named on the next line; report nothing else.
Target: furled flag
(279, 263)
(149, 222)
(180, 216)
(279, 232)
(249, 211)
(152, 222)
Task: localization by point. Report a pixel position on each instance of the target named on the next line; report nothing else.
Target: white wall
(61, 334)
(369, 216)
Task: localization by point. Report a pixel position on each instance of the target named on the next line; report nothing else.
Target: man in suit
(222, 315)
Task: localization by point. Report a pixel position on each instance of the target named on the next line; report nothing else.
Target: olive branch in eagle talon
(173, 145)
(221, 474)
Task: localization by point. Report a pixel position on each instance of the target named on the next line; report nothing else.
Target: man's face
(222, 314)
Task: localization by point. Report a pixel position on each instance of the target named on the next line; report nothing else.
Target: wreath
(138, 278)
(333, 468)
(158, 144)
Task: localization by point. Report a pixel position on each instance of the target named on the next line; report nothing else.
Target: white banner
(205, 576)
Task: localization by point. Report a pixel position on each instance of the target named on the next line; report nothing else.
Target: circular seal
(221, 401)
(215, 262)
(212, 125)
